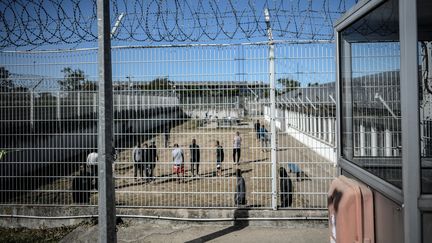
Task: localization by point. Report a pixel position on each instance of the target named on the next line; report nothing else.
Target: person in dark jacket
(219, 158)
(194, 157)
(153, 157)
(285, 188)
(145, 165)
(167, 132)
(240, 196)
(264, 138)
(81, 186)
(257, 129)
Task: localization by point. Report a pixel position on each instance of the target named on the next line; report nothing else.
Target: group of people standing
(195, 158)
(146, 156)
(145, 159)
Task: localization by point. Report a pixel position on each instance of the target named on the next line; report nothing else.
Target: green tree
(160, 83)
(72, 79)
(89, 85)
(313, 84)
(289, 84)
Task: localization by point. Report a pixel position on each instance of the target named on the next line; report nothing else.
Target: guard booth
(384, 87)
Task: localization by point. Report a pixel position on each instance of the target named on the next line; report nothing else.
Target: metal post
(410, 120)
(330, 130)
(272, 109)
(119, 102)
(128, 100)
(95, 105)
(388, 150)
(79, 104)
(32, 109)
(313, 125)
(107, 214)
(347, 135)
(374, 141)
(58, 106)
(362, 140)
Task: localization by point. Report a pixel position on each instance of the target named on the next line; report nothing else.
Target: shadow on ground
(240, 222)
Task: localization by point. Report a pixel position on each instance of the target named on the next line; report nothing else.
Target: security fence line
(177, 111)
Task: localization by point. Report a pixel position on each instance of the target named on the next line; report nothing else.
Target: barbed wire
(31, 23)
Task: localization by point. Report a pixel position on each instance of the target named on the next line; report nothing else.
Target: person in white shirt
(236, 148)
(137, 159)
(92, 164)
(178, 159)
(92, 161)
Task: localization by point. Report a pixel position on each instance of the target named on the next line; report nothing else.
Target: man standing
(257, 129)
(167, 132)
(286, 188)
(92, 163)
(236, 148)
(178, 159)
(81, 186)
(153, 157)
(263, 138)
(146, 166)
(240, 196)
(219, 158)
(2, 154)
(195, 157)
(137, 159)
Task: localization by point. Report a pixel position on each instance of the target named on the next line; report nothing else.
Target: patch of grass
(9, 235)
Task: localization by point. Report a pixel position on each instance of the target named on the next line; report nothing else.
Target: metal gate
(164, 98)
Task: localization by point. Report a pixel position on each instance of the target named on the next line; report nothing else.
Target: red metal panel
(351, 214)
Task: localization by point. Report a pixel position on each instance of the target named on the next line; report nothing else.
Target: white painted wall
(321, 148)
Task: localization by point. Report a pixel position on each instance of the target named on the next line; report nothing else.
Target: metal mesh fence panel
(191, 126)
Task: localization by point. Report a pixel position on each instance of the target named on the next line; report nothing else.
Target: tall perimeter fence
(163, 96)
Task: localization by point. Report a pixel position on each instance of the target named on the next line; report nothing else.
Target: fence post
(32, 109)
(79, 103)
(272, 110)
(58, 106)
(106, 200)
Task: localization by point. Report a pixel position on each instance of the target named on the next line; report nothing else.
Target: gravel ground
(207, 190)
(23, 235)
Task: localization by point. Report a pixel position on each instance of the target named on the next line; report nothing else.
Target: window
(370, 93)
(424, 29)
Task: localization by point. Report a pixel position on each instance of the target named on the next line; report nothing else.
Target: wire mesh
(165, 96)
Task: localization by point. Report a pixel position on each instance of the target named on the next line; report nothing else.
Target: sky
(59, 24)
(290, 20)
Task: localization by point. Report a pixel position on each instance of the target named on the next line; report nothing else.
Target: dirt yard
(207, 189)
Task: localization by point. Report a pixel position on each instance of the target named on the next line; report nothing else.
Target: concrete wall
(213, 113)
(46, 155)
(283, 218)
(317, 133)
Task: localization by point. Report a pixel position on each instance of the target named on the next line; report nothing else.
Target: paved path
(163, 232)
